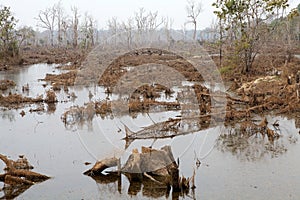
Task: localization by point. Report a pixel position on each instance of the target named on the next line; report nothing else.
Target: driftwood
(102, 165)
(16, 176)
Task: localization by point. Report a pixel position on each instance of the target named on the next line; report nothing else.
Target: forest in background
(244, 30)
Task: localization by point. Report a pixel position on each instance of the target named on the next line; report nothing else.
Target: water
(259, 170)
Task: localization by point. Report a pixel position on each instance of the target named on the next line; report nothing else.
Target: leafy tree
(244, 23)
(7, 32)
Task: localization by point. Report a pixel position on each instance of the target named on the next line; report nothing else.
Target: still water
(231, 168)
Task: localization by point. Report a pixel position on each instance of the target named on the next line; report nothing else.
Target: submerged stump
(151, 165)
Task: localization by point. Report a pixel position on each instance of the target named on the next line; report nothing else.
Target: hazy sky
(26, 10)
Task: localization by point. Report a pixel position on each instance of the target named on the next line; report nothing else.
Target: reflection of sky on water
(61, 153)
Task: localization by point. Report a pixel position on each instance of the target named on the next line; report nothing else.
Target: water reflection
(112, 182)
(243, 147)
(153, 172)
(256, 146)
(26, 78)
(7, 114)
(51, 108)
(12, 192)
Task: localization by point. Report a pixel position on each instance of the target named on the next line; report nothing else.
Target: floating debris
(50, 97)
(5, 84)
(79, 115)
(25, 88)
(22, 113)
(18, 177)
(168, 129)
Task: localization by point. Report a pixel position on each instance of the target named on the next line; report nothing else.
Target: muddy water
(232, 167)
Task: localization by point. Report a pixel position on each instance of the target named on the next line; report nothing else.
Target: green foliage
(244, 25)
(225, 69)
(7, 32)
(293, 13)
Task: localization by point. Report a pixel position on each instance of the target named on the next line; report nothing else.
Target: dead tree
(193, 10)
(65, 26)
(59, 14)
(87, 29)
(74, 25)
(47, 20)
(128, 28)
(113, 26)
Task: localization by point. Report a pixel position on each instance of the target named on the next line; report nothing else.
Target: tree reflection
(7, 114)
(12, 192)
(254, 145)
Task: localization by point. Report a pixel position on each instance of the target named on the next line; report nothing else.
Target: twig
(151, 178)
(7, 162)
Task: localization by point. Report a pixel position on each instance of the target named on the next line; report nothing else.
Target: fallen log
(28, 175)
(14, 176)
(15, 180)
(102, 165)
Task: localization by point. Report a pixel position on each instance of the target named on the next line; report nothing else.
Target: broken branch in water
(16, 176)
(102, 165)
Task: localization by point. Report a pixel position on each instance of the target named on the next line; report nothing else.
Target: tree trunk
(195, 29)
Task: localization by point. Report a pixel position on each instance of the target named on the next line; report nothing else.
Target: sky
(102, 10)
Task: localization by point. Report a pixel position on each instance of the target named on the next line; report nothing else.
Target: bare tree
(168, 23)
(141, 20)
(87, 30)
(74, 25)
(128, 28)
(113, 28)
(92, 24)
(147, 21)
(193, 10)
(59, 11)
(183, 29)
(65, 24)
(153, 22)
(46, 20)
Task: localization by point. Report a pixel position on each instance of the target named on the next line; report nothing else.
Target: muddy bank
(58, 80)
(49, 55)
(270, 93)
